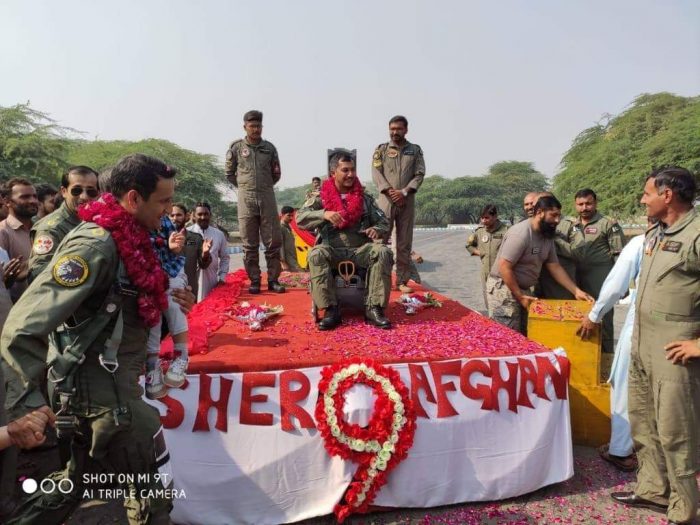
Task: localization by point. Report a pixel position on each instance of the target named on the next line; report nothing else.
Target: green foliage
(31, 145)
(614, 157)
(443, 201)
(199, 176)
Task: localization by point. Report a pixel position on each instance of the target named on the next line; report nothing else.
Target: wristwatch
(404, 193)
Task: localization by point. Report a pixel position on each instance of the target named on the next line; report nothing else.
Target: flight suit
(597, 245)
(547, 287)
(288, 253)
(347, 244)
(255, 169)
(399, 168)
(114, 430)
(664, 398)
(487, 243)
(46, 235)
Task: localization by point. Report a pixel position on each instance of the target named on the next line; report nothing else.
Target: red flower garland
(135, 250)
(384, 416)
(350, 208)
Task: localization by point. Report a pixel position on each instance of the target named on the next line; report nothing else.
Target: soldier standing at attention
(103, 288)
(485, 242)
(78, 186)
(598, 241)
(253, 166)
(664, 376)
(398, 169)
(349, 222)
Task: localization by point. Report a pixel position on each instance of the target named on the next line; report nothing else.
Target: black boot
(331, 318)
(254, 287)
(375, 315)
(275, 286)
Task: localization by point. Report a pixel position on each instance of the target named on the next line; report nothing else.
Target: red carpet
(291, 340)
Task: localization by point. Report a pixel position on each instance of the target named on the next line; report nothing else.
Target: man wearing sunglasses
(78, 186)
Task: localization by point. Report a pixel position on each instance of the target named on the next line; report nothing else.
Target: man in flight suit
(597, 242)
(253, 166)
(88, 293)
(78, 186)
(664, 376)
(485, 242)
(349, 225)
(398, 169)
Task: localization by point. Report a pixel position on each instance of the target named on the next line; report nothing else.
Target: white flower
(394, 438)
(360, 497)
(353, 369)
(394, 396)
(381, 465)
(371, 472)
(371, 373)
(358, 445)
(398, 407)
(397, 418)
(335, 432)
(384, 455)
(388, 446)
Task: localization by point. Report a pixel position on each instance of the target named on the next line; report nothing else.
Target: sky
(480, 82)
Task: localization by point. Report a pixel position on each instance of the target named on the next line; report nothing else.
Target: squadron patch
(245, 152)
(392, 153)
(591, 230)
(70, 271)
(485, 238)
(671, 246)
(98, 232)
(377, 159)
(43, 244)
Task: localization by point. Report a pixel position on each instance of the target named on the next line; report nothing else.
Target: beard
(548, 229)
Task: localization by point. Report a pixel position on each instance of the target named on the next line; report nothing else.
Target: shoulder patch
(52, 221)
(70, 271)
(43, 244)
(99, 231)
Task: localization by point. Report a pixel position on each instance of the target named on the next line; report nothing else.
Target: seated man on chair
(349, 222)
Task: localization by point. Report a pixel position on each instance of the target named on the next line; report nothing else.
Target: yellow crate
(554, 323)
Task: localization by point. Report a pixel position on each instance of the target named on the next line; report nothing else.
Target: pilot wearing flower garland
(348, 222)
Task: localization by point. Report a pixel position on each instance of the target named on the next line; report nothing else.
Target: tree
(31, 144)
(613, 157)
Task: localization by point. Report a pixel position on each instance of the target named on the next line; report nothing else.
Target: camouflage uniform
(487, 244)
(76, 301)
(46, 235)
(547, 287)
(664, 398)
(347, 244)
(254, 169)
(399, 168)
(597, 245)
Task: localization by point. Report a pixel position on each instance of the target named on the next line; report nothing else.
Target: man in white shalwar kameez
(619, 451)
(215, 273)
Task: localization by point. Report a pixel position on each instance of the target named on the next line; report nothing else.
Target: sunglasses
(78, 190)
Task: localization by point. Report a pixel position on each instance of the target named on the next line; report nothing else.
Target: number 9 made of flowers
(380, 446)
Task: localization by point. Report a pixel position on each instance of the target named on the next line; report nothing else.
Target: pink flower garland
(135, 250)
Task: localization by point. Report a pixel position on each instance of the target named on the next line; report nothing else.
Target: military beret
(253, 115)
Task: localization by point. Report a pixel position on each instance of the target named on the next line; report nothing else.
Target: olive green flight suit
(664, 399)
(46, 235)
(255, 169)
(116, 431)
(288, 252)
(487, 244)
(399, 168)
(347, 244)
(547, 287)
(597, 245)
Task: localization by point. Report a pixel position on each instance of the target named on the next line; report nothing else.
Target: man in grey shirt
(526, 247)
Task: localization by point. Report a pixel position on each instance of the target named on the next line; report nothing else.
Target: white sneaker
(155, 388)
(175, 376)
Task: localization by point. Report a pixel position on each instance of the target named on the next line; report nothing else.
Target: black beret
(253, 115)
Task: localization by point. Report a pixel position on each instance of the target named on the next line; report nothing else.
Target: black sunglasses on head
(77, 190)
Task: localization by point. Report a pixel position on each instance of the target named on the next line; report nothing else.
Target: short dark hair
(45, 190)
(586, 192)
(315, 179)
(14, 181)
(399, 118)
(103, 180)
(181, 206)
(287, 209)
(339, 157)
(548, 202)
(203, 204)
(489, 209)
(677, 179)
(78, 170)
(138, 172)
